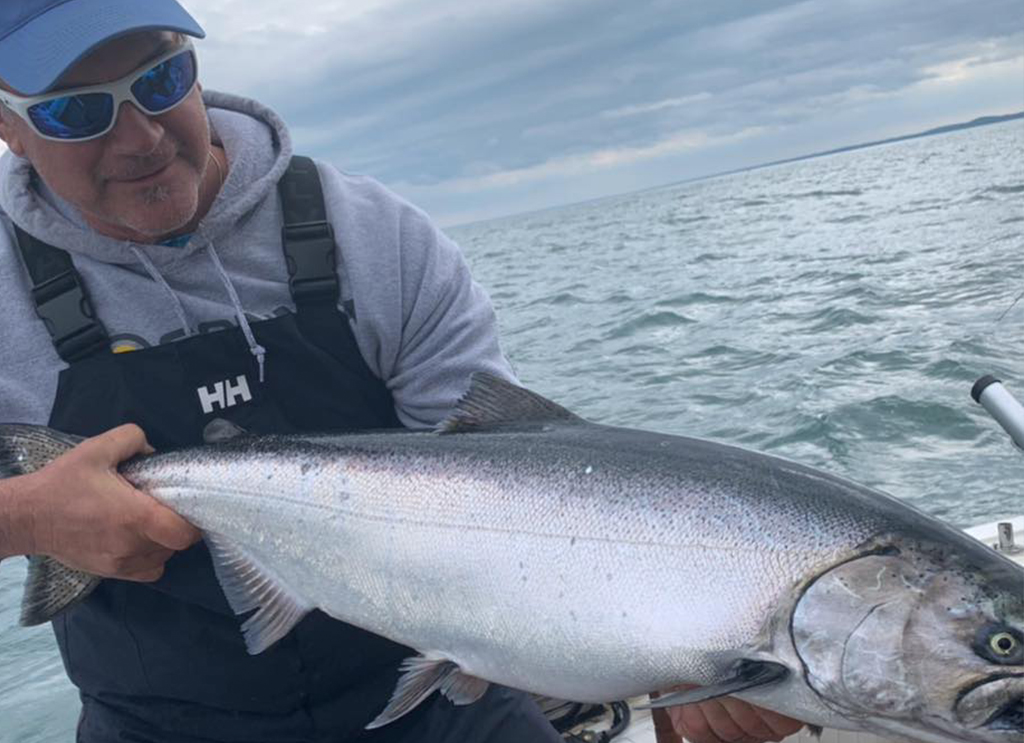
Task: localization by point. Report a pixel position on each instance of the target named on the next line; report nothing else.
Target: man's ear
(9, 131)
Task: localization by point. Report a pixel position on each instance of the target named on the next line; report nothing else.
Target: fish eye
(1000, 644)
(1003, 644)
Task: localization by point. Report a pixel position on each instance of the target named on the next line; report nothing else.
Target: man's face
(140, 180)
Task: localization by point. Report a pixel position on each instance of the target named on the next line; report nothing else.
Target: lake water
(835, 311)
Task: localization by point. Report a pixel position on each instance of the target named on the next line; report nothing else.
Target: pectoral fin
(748, 674)
(421, 677)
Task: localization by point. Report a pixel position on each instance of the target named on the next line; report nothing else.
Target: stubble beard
(161, 197)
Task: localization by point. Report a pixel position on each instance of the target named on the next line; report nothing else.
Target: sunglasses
(80, 114)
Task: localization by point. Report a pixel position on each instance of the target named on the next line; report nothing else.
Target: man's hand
(723, 720)
(83, 513)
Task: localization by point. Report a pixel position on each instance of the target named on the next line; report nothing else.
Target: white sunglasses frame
(120, 90)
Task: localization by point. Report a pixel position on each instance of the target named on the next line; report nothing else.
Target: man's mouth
(146, 174)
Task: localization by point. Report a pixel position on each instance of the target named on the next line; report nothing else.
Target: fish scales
(526, 541)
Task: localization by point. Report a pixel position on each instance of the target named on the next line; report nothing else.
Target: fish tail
(25, 449)
(50, 586)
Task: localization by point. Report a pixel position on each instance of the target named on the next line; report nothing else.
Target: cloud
(649, 108)
(450, 100)
(591, 162)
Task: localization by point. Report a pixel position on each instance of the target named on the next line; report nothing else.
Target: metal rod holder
(990, 393)
(1006, 539)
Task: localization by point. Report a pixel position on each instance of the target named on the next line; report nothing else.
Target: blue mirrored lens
(166, 84)
(73, 117)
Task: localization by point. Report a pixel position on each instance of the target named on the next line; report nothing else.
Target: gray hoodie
(421, 322)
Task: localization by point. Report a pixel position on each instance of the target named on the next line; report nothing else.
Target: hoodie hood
(422, 325)
(258, 148)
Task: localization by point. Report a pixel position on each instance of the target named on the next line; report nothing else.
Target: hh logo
(224, 394)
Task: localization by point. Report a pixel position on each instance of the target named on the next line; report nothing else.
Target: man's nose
(134, 132)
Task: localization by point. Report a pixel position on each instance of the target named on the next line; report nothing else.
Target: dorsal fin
(494, 402)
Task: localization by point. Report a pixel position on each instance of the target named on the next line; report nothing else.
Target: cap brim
(33, 57)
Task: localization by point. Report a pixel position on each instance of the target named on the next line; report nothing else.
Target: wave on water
(677, 221)
(826, 194)
(648, 321)
(1014, 189)
(866, 362)
(834, 318)
(895, 418)
(692, 298)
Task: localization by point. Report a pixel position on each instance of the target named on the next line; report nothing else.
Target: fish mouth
(1010, 718)
(1003, 693)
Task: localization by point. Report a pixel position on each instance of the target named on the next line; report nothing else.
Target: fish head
(916, 642)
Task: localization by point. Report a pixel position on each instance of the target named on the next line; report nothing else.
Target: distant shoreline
(980, 121)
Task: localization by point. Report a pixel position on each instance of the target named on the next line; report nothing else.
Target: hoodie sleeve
(422, 324)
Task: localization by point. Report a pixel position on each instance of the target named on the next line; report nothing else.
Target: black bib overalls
(166, 661)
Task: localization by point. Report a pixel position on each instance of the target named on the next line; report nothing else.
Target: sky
(476, 110)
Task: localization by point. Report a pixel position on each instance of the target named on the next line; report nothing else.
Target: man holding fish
(231, 281)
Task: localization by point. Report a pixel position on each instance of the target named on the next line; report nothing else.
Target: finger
(140, 562)
(110, 566)
(782, 726)
(749, 718)
(119, 444)
(691, 723)
(168, 529)
(721, 722)
(145, 576)
(664, 730)
(144, 563)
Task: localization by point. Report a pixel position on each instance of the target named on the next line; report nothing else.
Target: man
(142, 216)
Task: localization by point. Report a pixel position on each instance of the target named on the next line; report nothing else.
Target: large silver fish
(521, 545)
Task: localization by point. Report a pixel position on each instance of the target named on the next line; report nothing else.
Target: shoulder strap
(307, 236)
(61, 300)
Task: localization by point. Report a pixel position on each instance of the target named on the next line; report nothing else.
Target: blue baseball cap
(40, 39)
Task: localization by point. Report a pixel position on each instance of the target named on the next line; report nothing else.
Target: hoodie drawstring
(154, 274)
(243, 322)
(254, 348)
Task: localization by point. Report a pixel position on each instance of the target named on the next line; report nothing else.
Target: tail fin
(25, 449)
(50, 587)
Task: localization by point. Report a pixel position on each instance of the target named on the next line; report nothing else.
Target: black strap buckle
(69, 317)
(309, 250)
